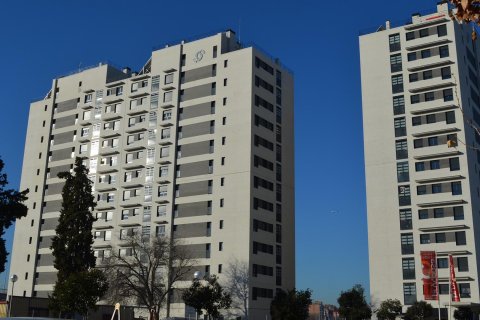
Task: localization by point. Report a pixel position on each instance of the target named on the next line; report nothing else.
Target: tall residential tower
(422, 155)
(198, 146)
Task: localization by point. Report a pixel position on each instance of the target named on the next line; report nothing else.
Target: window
(423, 214)
(161, 211)
(454, 164)
(412, 56)
(456, 188)
(448, 95)
(164, 152)
(421, 190)
(168, 96)
(414, 98)
(450, 117)
(458, 213)
(443, 51)
(400, 127)
(426, 53)
(420, 166)
(405, 219)
(438, 213)
(424, 238)
(398, 105)
(434, 164)
(440, 237)
(408, 268)
(167, 115)
(442, 288)
(424, 33)
(396, 63)
(429, 96)
(442, 263)
(410, 35)
(397, 83)
(464, 289)
(427, 74)
(462, 264)
(442, 30)
(436, 188)
(413, 77)
(404, 195)
(401, 149)
(460, 238)
(432, 141)
(394, 42)
(402, 172)
(406, 240)
(446, 73)
(162, 191)
(169, 78)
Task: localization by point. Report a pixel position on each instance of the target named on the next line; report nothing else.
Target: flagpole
(449, 290)
(438, 290)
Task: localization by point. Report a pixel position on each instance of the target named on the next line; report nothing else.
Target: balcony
(135, 145)
(138, 109)
(135, 163)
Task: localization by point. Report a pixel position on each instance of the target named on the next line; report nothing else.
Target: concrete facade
(422, 191)
(198, 146)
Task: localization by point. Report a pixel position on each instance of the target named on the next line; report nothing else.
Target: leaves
(11, 208)
(352, 304)
(291, 305)
(418, 311)
(389, 309)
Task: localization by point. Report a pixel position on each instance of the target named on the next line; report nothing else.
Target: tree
(389, 309)
(352, 304)
(238, 279)
(466, 11)
(11, 208)
(207, 295)
(146, 271)
(72, 247)
(291, 305)
(463, 313)
(418, 311)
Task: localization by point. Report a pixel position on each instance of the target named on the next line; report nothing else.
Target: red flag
(429, 270)
(455, 295)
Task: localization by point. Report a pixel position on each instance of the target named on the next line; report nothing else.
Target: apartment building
(198, 145)
(422, 155)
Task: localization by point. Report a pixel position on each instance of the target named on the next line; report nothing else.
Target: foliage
(11, 208)
(463, 313)
(238, 278)
(419, 310)
(466, 11)
(352, 304)
(207, 295)
(389, 309)
(148, 273)
(72, 247)
(291, 305)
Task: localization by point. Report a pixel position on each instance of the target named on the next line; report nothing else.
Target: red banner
(429, 270)
(455, 295)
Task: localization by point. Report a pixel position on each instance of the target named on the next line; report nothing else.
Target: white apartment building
(422, 191)
(198, 145)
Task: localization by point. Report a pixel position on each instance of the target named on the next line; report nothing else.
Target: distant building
(320, 311)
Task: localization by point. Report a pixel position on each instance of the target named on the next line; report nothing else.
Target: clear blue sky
(41, 40)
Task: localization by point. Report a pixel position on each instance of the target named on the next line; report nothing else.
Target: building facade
(420, 107)
(198, 146)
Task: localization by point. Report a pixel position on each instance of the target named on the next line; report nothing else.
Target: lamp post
(14, 279)
(196, 276)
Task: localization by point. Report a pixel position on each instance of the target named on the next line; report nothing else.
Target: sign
(429, 270)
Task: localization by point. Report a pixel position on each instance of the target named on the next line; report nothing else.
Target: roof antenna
(239, 28)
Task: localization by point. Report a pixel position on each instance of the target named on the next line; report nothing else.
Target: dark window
(443, 51)
(412, 56)
(404, 195)
(446, 73)
(438, 213)
(400, 127)
(429, 96)
(423, 214)
(424, 33)
(458, 213)
(431, 118)
(416, 121)
(460, 238)
(464, 289)
(433, 141)
(410, 35)
(406, 240)
(405, 219)
(409, 293)
(396, 63)
(456, 188)
(414, 98)
(401, 149)
(418, 143)
(398, 105)
(421, 190)
(408, 268)
(443, 288)
(420, 166)
(402, 172)
(434, 164)
(448, 95)
(436, 188)
(462, 264)
(394, 42)
(440, 237)
(442, 30)
(450, 117)
(413, 77)
(442, 263)
(424, 239)
(454, 164)
(426, 53)
(427, 74)
(397, 83)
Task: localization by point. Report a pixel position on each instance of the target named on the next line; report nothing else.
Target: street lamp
(14, 279)
(196, 276)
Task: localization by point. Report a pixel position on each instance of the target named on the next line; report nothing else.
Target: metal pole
(449, 290)
(11, 300)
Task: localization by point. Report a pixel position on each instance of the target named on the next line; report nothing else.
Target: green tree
(352, 304)
(418, 311)
(207, 295)
(78, 287)
(291, 305)
(389, 309)
(11, 208)
(463, 313)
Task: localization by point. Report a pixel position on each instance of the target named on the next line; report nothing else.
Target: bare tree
(238, 278)
(145, 270)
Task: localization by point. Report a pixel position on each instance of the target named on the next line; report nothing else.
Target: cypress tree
(72, 246)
